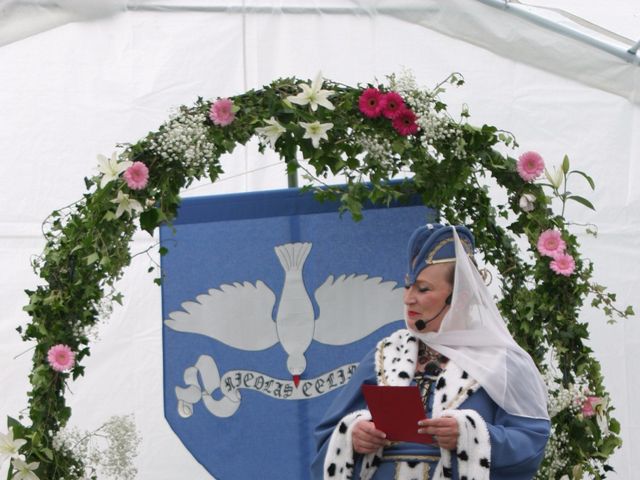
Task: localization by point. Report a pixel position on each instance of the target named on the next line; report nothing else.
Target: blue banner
(269, 301)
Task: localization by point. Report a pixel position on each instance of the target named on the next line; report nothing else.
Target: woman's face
(425, 300)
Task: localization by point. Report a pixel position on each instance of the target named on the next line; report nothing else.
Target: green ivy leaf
(90, 259)
(149, 220)
(48, 453)
(117, 298)
(18, 428)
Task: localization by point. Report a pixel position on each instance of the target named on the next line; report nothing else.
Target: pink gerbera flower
(391, 104)
(563, 264)
(221, 112)
(136, 176)
(405, 122)
(550, 243)
(589, 406)
(530, 165)
(61, 358)
(369, 103)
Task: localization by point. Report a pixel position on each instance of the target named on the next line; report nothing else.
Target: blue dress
(516, 443)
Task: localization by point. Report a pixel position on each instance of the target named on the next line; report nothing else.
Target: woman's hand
(444, 430)
(366, 438)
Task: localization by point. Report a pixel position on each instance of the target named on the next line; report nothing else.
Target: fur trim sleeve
(474, 447)
(339, 462)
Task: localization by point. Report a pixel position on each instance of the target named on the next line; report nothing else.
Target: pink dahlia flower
(563, 264)
(136, 176)
(391, 104)
(61, 358)
(530, 166)
(369, 103)
(589, 406)
(405, 122)
(550, 243)
(221, 112)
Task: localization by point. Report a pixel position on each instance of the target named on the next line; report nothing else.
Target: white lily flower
(111, 168)
(556, 178)
(272, 132)
(313, 95)
(527, 202)
(602, 419)
(126, 204)
(316, 131)
(24, 470)
(8, 446)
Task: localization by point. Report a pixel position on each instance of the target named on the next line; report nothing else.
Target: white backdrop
(74, 91)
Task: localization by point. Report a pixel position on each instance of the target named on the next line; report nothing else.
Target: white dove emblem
(240, 315)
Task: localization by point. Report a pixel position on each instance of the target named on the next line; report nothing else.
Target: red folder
(396, 412)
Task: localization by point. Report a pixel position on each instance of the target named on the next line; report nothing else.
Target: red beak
(296, 380)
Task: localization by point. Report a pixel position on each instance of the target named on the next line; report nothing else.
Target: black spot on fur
(464, 477)
(471, 421)
(447, 472)
(409, 360)
(469, 392)
(441, 383)
(386, 344)
(463, 456)
(331, 470)
(404, 374)
(338, 451)
(411, 339)
(460, 390)
(343, 428)
(393, 370)
(484, 462)
(412, 464)
(476, 441)
(444, 397)
(465, 375)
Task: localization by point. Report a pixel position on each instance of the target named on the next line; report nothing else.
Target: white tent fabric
(73, 91)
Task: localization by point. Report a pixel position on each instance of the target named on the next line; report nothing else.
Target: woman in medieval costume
(484, 399)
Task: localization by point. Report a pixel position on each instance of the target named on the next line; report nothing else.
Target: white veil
(474, 336)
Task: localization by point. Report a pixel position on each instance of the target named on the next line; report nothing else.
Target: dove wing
(352, 307)
(239, 315)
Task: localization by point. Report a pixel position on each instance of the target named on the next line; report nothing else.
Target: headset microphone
(422, 324)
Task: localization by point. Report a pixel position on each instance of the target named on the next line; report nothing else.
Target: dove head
(296, 364)
(432, 244)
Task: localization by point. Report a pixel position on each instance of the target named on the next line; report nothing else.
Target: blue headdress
(434, 243)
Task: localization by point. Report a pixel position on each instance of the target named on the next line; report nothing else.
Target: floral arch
(367, 134)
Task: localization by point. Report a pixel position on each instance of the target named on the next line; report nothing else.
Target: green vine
(326, 128)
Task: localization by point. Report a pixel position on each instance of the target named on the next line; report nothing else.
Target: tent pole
(292, 176)
(521, 12)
